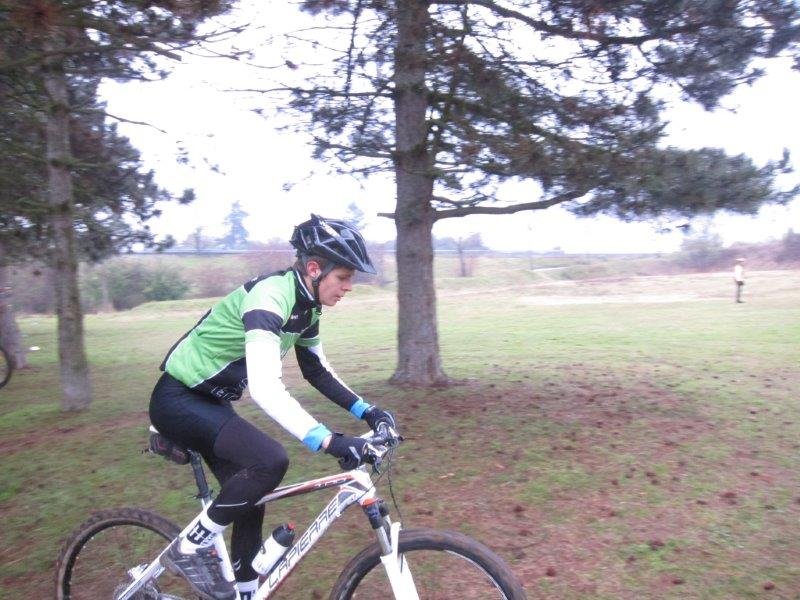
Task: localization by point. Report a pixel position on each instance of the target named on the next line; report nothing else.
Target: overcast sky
(255, 162)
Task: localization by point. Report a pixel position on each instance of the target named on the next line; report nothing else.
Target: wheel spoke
(101, 558)
(437, 575)
(443, 565)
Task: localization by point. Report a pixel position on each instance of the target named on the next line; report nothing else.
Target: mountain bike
(115, 553)
(6, 367)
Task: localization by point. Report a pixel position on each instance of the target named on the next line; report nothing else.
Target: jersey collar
(303, 291)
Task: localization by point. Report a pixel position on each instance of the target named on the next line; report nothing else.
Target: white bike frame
(354, 487)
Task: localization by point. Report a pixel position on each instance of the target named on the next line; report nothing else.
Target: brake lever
(375, 457)
(387, 436)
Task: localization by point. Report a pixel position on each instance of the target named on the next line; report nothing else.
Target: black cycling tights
(246, 461)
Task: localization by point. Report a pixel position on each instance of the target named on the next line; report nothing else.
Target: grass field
(630, 437)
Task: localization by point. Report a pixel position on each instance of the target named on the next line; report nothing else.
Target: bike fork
(397, 568)
(395, 564)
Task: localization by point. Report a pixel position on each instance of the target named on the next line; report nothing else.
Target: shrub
(164, 284)
(790, 247)
(32, 286)
(125, 284)
(703, 253)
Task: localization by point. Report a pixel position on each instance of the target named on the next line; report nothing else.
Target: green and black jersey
(276, 308)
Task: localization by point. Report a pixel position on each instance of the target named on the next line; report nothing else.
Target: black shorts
(188, 417)
(245, 460)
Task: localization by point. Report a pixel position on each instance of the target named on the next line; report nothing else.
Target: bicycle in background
(6, 367)
(116, 553)
(6, 362)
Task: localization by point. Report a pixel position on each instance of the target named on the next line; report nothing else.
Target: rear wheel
(97, 558)
(443, 564)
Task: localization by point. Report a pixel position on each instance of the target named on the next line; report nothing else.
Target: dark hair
(300, 263)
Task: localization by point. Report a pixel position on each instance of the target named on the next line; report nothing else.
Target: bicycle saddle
(163, 446)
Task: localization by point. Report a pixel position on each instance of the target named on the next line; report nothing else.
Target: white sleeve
(267, 390)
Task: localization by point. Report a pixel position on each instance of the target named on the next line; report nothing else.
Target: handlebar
(380, 442)
(384, 436)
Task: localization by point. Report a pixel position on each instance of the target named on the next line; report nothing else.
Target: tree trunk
(462, 259)
(105, 296)
(10, 336)
(75, 385)
(419, 362)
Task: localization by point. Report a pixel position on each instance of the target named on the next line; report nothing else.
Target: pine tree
(456, 96)
(236, 239)
(51, 53)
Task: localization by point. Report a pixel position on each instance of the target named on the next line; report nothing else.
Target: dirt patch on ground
(38, 437)
(664, 485)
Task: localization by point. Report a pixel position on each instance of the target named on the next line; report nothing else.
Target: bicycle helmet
(334, 240)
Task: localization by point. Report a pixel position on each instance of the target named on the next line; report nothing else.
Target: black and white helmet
(334, 240)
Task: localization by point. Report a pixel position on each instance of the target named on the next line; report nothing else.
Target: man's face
(335, 285)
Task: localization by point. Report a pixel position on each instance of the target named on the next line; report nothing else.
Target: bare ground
(611, 539)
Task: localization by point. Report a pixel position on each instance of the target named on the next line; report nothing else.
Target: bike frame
(354, 487)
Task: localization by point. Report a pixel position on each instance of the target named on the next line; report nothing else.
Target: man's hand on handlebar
(385, 435)
(352, 452)
(374, 416)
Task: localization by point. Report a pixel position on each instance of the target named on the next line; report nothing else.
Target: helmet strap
(315, 280)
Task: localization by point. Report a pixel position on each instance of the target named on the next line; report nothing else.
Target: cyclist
(239, 343)
(738, 278)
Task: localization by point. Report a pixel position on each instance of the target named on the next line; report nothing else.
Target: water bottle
(273, 548)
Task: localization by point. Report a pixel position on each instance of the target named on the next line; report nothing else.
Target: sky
(254, 161)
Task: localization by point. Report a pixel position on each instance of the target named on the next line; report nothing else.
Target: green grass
(634, 447)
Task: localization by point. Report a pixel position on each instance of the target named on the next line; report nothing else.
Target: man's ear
(313, 269)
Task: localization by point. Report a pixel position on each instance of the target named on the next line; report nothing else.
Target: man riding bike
(239, 343)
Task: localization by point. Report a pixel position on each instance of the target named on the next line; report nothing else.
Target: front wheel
(443, 564)
(96, 560)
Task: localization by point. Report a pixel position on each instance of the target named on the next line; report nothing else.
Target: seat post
(203, 492)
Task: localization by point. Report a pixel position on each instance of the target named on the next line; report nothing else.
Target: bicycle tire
(88, 570)
(433, 558)
(6, 367)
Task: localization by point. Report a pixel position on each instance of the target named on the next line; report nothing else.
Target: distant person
(239, 343)
(738, 278)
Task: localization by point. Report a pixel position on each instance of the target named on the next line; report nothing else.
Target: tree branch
(451, 202)
(325, 92)
(120, 119)
(446, 110)
(350, 48)
(507, 210)
(328, 145)
(498, 210)
(545, 27)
